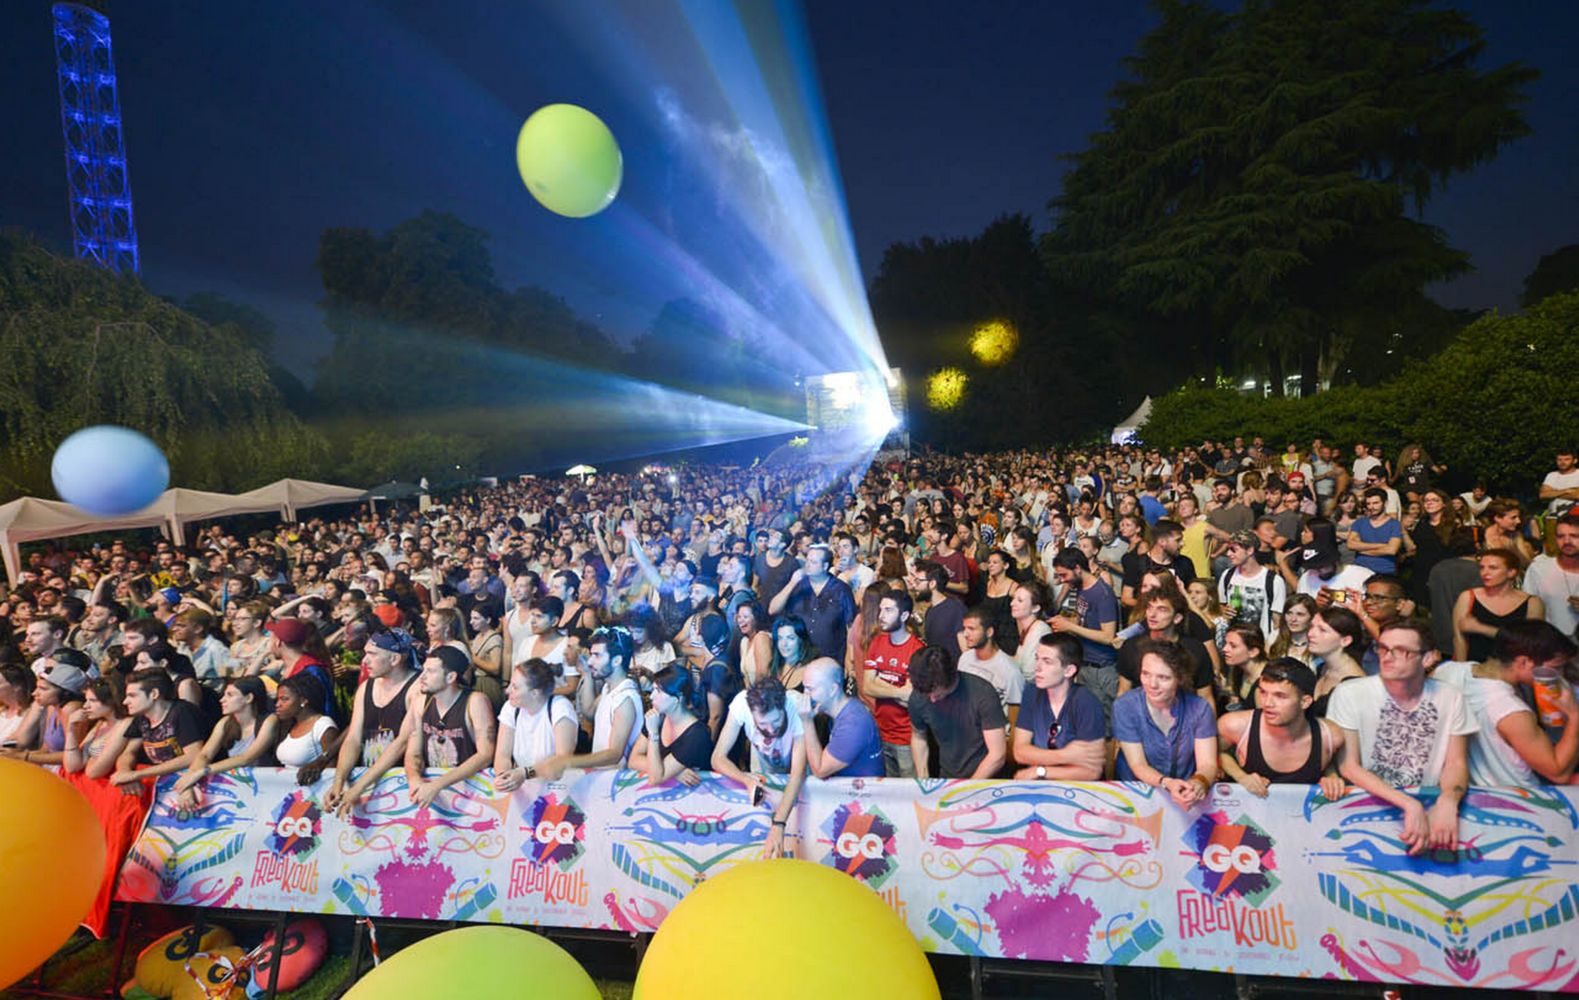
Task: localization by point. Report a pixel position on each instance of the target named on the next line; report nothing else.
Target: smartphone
(758, 794)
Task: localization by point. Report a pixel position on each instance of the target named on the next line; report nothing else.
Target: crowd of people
(1228, 612)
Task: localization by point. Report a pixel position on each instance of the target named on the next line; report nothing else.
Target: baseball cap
(67, 677)
(291, 631)
(390, 615)
(1245, 539)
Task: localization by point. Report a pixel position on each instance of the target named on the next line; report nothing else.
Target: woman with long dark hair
(1431, 537)
(92, 740)
(792, 650)
(244, 737)
(753, 646)
(678, 741)
(1337, 641)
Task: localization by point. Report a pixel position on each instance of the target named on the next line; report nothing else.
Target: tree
(1492, 404)
(1247, 202)
(431, 351)
(928, 298)
(1556, 272)
(80, 346)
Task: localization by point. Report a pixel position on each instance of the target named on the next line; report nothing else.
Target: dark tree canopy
(927, 299)
(1250, 196)
(80, 346)
(1556, 272)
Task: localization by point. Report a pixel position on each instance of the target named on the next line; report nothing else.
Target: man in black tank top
(1280, 742)
(377, 714)
(454, 732)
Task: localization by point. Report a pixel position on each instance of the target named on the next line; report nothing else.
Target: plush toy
(161, 967)
(210, 975)
(305, 948)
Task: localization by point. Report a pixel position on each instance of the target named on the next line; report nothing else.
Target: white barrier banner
(1104, 873)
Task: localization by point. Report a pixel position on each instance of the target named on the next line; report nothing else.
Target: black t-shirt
(958, 722)
(722, 681)
(771, 579)
(1415, 476)
(1138, 564)
(162, 742)
(693, 748)
(1129, 661)
(943, 621)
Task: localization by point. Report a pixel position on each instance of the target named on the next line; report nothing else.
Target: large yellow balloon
(485, 962)
(569, 160)
(783, 929)
(51, 860)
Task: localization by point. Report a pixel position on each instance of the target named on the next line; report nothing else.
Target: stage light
(994, 341)
(946, 388)
(878, 419)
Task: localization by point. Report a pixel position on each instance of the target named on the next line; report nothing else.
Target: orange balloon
(51, 860)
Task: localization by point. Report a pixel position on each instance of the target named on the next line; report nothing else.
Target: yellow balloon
(783, 929)
(485, 962)
(569, 160)
(51, 860)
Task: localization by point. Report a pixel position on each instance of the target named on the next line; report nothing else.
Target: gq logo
(298, 822)
(852, 845)
(863, 843)
(1223, 859)
(1232, 859)
(557, 829)
(549, 832)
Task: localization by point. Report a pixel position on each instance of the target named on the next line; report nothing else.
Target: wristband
(1200, 779)
(778, 822)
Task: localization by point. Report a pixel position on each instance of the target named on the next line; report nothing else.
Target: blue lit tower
(90, 115)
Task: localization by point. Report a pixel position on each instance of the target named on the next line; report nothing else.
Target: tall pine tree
(1248, 205)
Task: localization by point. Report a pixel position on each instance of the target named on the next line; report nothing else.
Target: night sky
(252, 127)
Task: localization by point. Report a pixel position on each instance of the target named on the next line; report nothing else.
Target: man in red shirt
(945, 537)
(885, 683)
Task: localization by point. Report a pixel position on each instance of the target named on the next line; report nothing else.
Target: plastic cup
(1548, 688)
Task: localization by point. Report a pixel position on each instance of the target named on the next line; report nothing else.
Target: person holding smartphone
(772, 720)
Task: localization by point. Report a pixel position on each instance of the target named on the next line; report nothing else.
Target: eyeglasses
(1378, 598)
(1384, 651)
(1052, 733)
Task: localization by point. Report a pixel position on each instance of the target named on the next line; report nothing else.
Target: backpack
(1266, 587)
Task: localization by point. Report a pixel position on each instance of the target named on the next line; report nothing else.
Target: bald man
(854, 750)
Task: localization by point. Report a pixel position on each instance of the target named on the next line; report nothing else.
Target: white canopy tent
(1129, 428)
(181, 506)
(31, 519)
(292, 495)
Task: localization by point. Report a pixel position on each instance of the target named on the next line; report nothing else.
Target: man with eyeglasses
(1384, 603)
(1060, 731)
(1278, 742)
(1402, 730)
